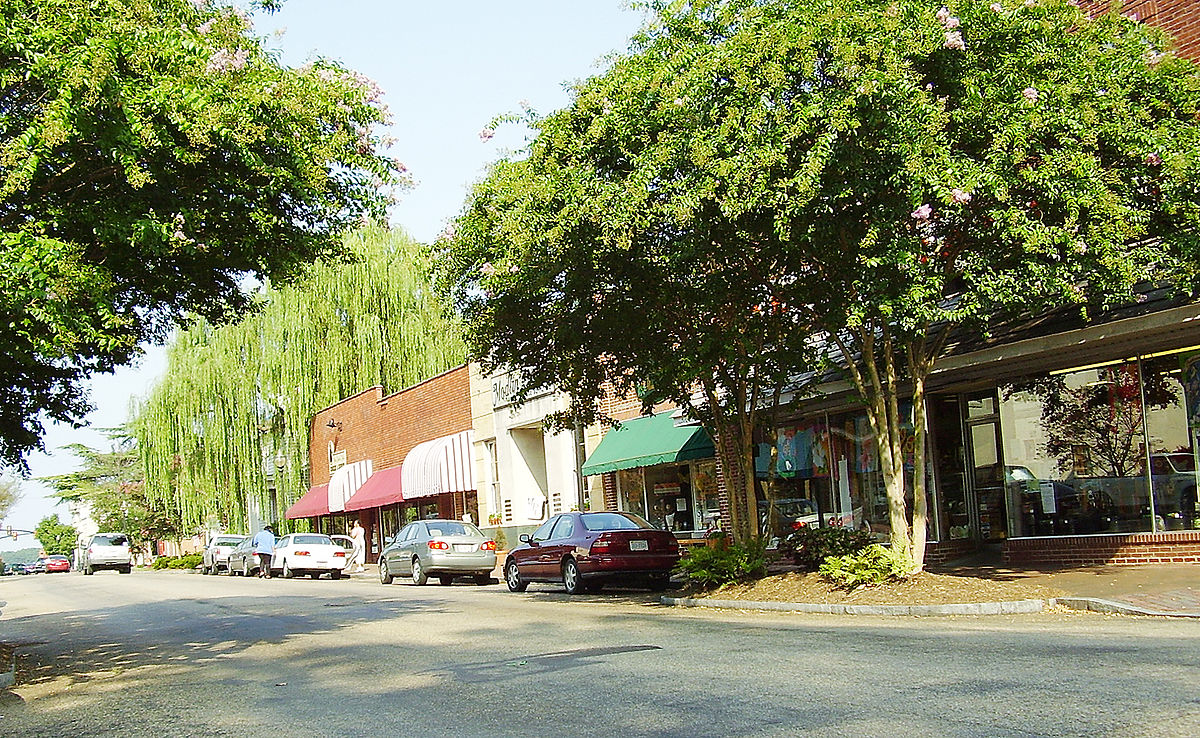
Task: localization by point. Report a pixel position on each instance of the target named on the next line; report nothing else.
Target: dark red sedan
(585, 550)
(57, 563)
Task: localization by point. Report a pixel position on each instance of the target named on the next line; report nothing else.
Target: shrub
(875, 564)
(163, 562)
(737, 562)
(191, 561)
(809, 547)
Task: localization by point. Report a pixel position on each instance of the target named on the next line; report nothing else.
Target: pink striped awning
(381, 488)
(439, 466)
(313, 504)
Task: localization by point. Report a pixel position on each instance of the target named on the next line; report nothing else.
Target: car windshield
(56, 557)
(312, 540)
(1182, 462)
(613, 521)
(453, 528)
(117, 540)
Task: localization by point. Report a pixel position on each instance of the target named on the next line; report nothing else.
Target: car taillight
(439, 545)
(302, 553)
(601, 544)
(339, 554)
(487, 546)
(799, 525)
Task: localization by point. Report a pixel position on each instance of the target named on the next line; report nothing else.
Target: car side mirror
(523, 538)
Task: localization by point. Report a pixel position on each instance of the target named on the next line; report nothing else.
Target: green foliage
(874, 564)
(56, 537)
(756, 173)
(153, 155)
(189, 561)
(230, 417)
(809, 547)
(713, 566)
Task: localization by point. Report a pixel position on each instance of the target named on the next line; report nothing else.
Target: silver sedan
(438, 548)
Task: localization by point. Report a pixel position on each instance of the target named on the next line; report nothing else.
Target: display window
(681, 498)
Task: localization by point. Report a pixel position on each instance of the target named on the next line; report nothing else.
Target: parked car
(345, 542)
(57, 563)
(439, 548)
(107, 551)
(1174, 477)
(36, 567)
(242, 559)
(313, 554)
(216, 554)
(585, 550)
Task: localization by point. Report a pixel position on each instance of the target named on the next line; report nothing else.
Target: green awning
(648, 441)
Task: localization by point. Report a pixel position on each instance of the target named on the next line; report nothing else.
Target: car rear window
(613, 521)
(117, 540)
(453, 528)
(227, 541)
(312, 540)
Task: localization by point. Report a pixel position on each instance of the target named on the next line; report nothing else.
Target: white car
(216, 553)
(313, 554)
(107, 551)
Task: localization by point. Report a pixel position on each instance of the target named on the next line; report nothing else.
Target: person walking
(264, 548)
(359, 554)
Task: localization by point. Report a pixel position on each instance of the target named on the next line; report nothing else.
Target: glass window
(708, 501)
(613, 521)
(564, 529)
(543, 531)
(312, 540)
(631, 492)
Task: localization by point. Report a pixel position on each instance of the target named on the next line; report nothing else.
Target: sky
(447, 70)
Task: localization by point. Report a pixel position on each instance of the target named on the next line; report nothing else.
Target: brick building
(1179, 18)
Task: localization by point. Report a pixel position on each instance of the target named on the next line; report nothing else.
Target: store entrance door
(985, 464)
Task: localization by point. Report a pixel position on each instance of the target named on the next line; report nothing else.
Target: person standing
(359, 554)
(264, 547)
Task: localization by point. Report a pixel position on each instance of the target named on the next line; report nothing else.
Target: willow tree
(152, 154)
(856, 176)
(237, 400)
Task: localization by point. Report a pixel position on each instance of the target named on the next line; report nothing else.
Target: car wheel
(572, 582)
(482, 579)
(385, 576)
(335, 574)
(659, 582)
(126, 569)
(446, 581)
(513, 579)
(245, 568)
(287, 570)
(229, 570)
(314, 575)
(418, 574)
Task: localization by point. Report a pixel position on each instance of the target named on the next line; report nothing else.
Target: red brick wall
(1129, 549)
(1179, 18)
(385, 429)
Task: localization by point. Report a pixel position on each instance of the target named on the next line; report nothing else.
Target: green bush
(191, 561)
(162, 562)
(809, 547)
(875, 564)
(736, 562)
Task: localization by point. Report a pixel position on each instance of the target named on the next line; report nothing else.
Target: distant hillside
(20, 556)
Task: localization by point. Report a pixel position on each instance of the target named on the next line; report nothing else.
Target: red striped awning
(381, 488)
(313, 504)
(439, 466)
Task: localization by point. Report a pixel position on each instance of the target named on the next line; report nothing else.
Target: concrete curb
(1093, 604)
(980, 608)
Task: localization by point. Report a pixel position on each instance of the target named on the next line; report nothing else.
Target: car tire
(572, 581)
(385, 576)
(482, 579)
(512, 577)
(245, 568)
(335, 574)
(287, 571)
(229, 570)
(446, 581)
(314, 575)
(126, 569)
(659, 583)
(419, 576)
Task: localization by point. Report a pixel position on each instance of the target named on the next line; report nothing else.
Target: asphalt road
(172, 653)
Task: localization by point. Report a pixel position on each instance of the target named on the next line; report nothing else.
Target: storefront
(1041, 446)
(663, 472)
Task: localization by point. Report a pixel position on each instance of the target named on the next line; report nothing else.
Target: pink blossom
(952, 22)
(960, 196)
(486, 135)
(943, 14)
(954, 40)
(1030, 3)
(923, 212)
(997, 8)
(224, 60)
(488, 269)
(1153, 159)
(204, 28)
(1030, 93)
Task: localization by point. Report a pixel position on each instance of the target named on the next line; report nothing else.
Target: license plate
(639, 545)
(463, 547)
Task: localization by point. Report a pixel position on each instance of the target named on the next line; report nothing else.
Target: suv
(107, 551)
(216, 553)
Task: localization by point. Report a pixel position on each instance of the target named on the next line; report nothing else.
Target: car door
(534, 560)
(404, 552)
(560, 543)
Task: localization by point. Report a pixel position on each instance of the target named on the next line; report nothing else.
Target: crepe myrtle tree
(155, 158)
(755, 181)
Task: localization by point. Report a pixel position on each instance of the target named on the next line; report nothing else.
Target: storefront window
(708, 501)
(1077, 446)
(669, 495)
(631, 491)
